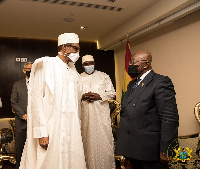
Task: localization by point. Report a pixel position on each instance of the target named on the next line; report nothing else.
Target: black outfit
(149, 120)
(19, 98)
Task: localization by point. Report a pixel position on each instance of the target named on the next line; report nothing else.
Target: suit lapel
(129, 89)
(138, 89)
(128, 94)
(144, 83)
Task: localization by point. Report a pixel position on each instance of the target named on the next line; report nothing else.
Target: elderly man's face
(27, 69)
(72, 48)
(89, 67)
(140, 60)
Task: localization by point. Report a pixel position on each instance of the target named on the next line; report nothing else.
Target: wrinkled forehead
(139, 56)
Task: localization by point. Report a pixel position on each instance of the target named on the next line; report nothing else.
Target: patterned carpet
(8, 165)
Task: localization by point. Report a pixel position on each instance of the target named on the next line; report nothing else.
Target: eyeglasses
(27, 68)
(132, 62)
(71, 47)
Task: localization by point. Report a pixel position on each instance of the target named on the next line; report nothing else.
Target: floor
(8, 165)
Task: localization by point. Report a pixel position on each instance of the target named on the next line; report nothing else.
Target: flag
(127, 78)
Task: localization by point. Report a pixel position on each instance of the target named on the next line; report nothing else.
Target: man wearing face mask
(53, 132)
(95, 116)
(19, 99)
(149, 116)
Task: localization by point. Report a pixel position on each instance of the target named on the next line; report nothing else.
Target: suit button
(128, 132)
(134, 105)
(129, 118)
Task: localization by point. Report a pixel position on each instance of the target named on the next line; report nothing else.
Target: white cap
(87, 58)
(67, 38)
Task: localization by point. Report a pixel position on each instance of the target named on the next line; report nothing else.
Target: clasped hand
(90, 97)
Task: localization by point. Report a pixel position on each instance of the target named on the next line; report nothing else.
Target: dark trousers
(20, 139)
(140, 164)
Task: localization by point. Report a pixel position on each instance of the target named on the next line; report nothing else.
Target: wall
(11, 71)
(153, 14)
(176, 53)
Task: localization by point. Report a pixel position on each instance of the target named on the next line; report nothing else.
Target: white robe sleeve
(37, 88)
(109, 91)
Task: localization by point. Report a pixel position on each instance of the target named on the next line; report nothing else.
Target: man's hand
(86, 96)
(90, 97)
(44, 142)
(163, 158)
(94, 96)
(24, 117)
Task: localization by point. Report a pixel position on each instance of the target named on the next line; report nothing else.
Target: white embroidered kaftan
(53, 112)
(96, 123)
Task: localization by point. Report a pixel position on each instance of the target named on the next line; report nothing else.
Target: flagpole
(127, 36)
(126, 78)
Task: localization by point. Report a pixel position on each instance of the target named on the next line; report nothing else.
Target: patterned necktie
(135, 84)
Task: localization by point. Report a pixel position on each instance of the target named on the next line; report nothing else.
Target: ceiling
(45, 20)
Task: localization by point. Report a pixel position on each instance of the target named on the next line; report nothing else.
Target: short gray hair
(28, 63)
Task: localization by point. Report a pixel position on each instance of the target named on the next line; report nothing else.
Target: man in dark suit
(149, 116)
(19, 98)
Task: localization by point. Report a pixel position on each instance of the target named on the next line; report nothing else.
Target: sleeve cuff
(39, 132)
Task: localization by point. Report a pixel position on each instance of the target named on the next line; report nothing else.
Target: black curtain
(11, 71)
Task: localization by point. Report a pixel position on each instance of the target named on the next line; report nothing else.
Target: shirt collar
(144, 75)
(27, 82)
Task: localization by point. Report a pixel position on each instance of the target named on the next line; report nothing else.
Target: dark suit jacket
(149, 119)
(19, 98)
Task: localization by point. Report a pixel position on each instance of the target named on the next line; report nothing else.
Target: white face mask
(74, 56)
(89, 69)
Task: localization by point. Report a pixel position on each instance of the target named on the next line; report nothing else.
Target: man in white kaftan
(95, 117)
(53, 133)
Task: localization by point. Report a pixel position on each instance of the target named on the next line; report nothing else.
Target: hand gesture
(94, 96)
(90, 97)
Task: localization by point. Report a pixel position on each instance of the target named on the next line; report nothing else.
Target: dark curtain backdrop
(11, 71)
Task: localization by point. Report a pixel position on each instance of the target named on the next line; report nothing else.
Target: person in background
(95, 116)
(54, 133)
(149, 116)
(19, 99)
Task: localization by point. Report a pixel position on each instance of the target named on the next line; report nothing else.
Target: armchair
(197, 112)
(7, 142)
(186, 154)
